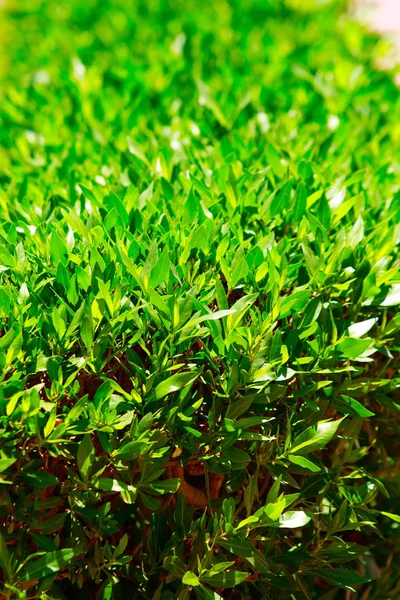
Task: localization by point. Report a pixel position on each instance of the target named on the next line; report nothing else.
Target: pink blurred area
(388, 15)
(385, 15)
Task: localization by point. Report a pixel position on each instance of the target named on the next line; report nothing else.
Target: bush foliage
(199, 291)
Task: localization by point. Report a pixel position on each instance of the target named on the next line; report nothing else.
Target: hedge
(199, 292)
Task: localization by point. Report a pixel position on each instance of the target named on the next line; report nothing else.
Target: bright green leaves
(281, 199)
(356, 234)
(85, 456)
(191, 207)
(197, 240)
(190, 578)
(315, 437)
(6, 259)
(351, 406)
(59, 322)
(156, 268)
(303, 462)
(300, 203)
(160, 271)
(354, 348)
(170, 486)
(274, 510)
(58, 249)
(175, 383)
(239, 309)
(87, 330)
(294, 302)
(220, 314)
(199, 292)
(149, 264)
(393, 517)
(276, 164)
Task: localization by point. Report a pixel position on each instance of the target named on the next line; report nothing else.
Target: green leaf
(238, 546)
(225, 580)
(359, 329)
(191, 206)
(5, 463)
(392, 516)
(85, 456)
(300, 203)
(220, 295)
(282, 198)
(174, 563)
(350, 406)
(356, 234)
(393, 296)
(40, 479)
(131, 450)
(122, 544)
(175, 383)
(294, 518)
(344, 578)
(220, 314)
(87, 331)
(238, 458)
(6, 259)
(353, 348)
(315, 437)
(236, 409)
(49, 564)
(274, 160)
(219, 568)
(7, 338)
(273, 511)
(43, 542)
(110, 485)
(52, 525)
(294, 302)
(5, 560)
(274, 490)
(239, 309)
(106, 591)
(240, 272)
(168, 486)
(303, 462)
(160, 271)
(58, 249)
(204, 593)
(190, 578)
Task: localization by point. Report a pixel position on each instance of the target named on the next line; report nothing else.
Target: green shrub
(199, 290)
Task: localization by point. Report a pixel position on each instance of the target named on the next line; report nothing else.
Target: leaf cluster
(199, 291)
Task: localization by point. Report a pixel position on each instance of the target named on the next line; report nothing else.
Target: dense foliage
(199, 291)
